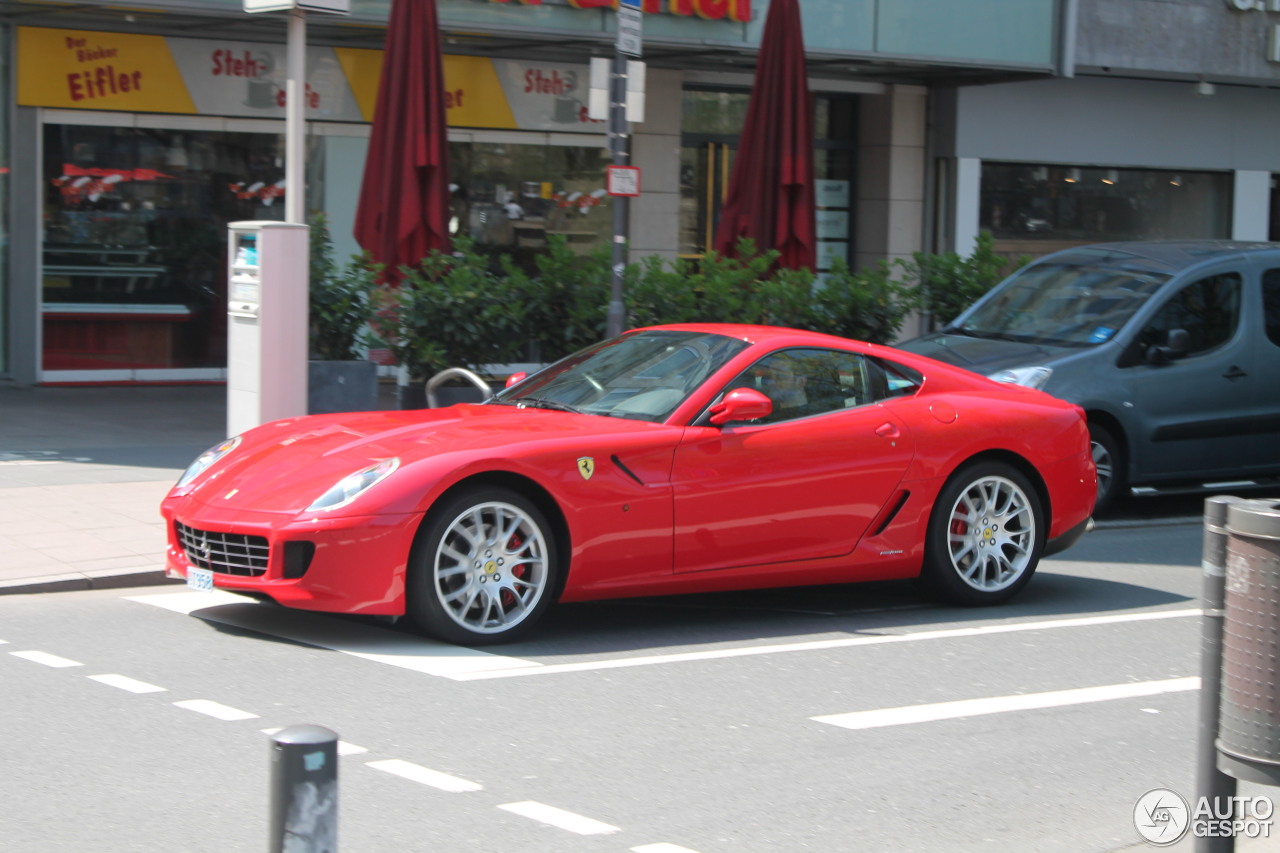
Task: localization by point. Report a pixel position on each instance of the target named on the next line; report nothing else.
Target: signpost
(628, 43)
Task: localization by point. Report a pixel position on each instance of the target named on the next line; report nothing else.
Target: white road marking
(324, 631)
(560, 818)
(344, 748)
(464, 664)
(46, 659)
(425, 776)
(215, 709)
(126, 683)
(911, 714)
(661, 847)
(819, 645)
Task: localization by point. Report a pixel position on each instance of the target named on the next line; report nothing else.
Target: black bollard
(304, 790)
(1211, 783)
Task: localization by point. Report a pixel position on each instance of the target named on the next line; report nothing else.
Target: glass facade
(1041, 208)
(511, 196)
(712, 121)
(4, 201)
(134, 252)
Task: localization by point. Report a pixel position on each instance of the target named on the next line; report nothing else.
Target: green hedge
(468, 309)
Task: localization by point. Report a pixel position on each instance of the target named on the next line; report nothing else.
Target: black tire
(985, 536)
(1109, 459)
(467, 587)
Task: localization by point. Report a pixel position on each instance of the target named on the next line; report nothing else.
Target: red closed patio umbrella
(770, 197)
(403, 211)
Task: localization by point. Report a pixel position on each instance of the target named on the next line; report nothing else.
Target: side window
(1208, 310)
(1271, 304)
(805, 382)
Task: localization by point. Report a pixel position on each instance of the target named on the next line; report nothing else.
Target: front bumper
(357, 566)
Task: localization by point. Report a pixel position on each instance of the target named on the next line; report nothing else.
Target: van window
(1208, 310)
(1271, 304)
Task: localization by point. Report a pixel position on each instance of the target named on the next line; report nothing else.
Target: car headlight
(206, 459)
(1031, 377)
(353, 485)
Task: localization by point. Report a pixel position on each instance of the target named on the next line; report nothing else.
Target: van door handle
(1233, 373)
(887, 430)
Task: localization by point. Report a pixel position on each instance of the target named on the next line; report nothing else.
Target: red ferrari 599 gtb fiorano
(692, 458)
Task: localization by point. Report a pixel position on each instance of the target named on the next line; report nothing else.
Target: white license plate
(201, 579)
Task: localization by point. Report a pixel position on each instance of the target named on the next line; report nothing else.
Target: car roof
(1168, 256)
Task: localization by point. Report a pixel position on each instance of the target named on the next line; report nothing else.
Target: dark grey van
(1172, 348)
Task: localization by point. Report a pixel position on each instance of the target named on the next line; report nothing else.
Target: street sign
(622, 180)
(630, 29)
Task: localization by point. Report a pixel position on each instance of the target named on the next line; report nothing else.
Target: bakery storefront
(149, 145)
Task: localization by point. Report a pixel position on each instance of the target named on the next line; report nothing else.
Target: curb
(75, 582)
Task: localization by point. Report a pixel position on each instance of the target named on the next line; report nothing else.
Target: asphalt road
(754, 722)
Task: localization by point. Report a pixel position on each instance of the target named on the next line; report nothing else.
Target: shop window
(4, 207)
(1041, 208)
(711, 124)
(134, 254)
(511, 197)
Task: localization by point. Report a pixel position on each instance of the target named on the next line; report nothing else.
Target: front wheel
(985, 536)
(484, 569)
(1109, 463)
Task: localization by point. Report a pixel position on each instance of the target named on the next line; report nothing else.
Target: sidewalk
(82, 473)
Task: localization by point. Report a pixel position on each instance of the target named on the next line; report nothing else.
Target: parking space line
(912, 714)
(425, 776)
(322, 631)
(661, 847)
(215, 709)
(46, 659)
(559, 818)
(125, 683)
(820, 645)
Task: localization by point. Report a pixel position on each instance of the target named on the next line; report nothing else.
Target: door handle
(887, 430)
(1233, 373)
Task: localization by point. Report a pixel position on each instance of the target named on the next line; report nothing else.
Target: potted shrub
(339, 379)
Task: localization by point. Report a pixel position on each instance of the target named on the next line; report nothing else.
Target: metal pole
(619, 145)
(1211, 783)
(304, 790)
(295, 129)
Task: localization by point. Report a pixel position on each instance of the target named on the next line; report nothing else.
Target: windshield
(1063, 304)
(643, 375)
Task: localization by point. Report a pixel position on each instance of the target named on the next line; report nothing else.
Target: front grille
(227, 553)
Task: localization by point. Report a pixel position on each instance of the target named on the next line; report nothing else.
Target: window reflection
(134, 269)
(1041, 208)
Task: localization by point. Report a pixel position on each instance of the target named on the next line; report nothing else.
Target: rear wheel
(485, 568)
(1107, 459)
(985, 535)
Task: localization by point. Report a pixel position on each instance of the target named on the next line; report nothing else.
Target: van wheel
(1109, 460)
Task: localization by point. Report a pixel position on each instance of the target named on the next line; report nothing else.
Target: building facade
(130, 137)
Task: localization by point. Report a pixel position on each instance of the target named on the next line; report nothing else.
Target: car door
(1267, 439)
(1191, 407)
(801, 484)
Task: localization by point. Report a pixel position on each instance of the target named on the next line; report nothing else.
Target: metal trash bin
(1249, 713)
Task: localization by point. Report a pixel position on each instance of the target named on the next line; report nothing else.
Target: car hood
(981, 355)
(284, 465)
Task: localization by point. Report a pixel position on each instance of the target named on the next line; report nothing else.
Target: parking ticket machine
(267, 324)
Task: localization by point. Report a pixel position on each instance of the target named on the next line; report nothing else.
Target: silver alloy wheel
(1105, 464)
(490, 568)
(991, 533)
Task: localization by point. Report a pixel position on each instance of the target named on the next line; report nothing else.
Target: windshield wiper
(990, 336)
(542, 403)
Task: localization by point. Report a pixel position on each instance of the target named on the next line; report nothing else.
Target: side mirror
(741, 404)
(516, 379)
(1175, 347)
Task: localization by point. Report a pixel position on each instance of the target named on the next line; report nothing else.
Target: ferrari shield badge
(586, 466)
